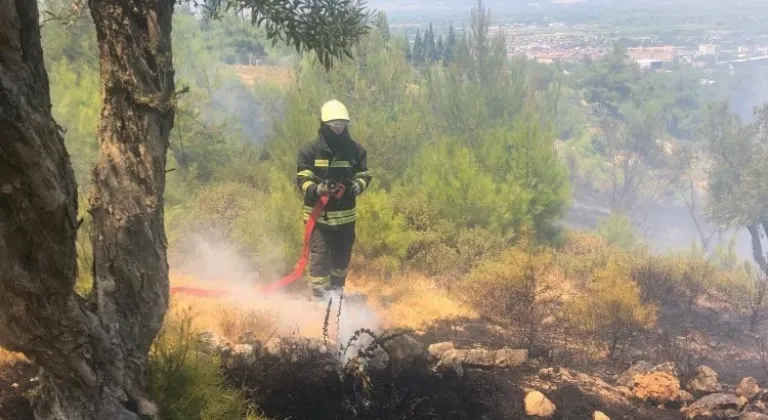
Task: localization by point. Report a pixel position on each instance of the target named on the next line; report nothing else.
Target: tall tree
(94, 351)
(450, 44)
(439, 49)
(429, 45)
(382, 25)
(418, 49)
(737, 191)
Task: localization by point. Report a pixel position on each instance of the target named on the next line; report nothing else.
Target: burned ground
(16, 381)
(421, 392)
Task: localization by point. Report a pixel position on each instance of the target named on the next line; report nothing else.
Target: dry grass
(9, 357)
(280, 76)
(247, 311)
(409, 301)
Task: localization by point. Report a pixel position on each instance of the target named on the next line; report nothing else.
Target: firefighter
(332, 157)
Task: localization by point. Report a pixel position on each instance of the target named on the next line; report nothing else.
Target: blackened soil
(421, 393)
(15, 381)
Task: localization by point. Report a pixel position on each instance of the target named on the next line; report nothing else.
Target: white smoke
(219, 265)
(353, 314)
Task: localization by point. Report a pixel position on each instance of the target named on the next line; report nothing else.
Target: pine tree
(429, 45)
(408, 50)
(450, 44)
(439, 49)
(382, 25)
(418, 49)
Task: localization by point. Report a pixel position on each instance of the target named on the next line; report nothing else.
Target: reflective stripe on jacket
(316, 162)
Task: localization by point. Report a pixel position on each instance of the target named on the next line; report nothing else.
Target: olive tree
(93, 351)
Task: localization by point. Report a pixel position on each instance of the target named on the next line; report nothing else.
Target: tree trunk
(757, 247)
(129, 243)
(93, 359)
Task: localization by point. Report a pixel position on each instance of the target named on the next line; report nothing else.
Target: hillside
(572, 371)
(530, 240)
(253, 75)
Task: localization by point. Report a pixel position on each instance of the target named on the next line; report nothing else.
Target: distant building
(652, 57)
(664, 54)
(708, 49)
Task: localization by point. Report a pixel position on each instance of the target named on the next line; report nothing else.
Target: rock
(598, 415)
(540, 352)
(509, 358)
(536, 404)
(379, 360)
(705, 381)
(668, 367)
(627, 377)
(714, 406)
(684, 398)
(757, 407)
(273, 347)
(748, 388)
(211, 344)
(658, 388)
(753, 416)
(436, 350)
(249, 338)
(405, 352)
(557, 377)
(242, 354)
(458, 359)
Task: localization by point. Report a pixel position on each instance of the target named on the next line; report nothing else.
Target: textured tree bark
(94, 359)
(757, 247)
(129, 243)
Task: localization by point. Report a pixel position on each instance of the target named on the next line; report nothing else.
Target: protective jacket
(344, 161)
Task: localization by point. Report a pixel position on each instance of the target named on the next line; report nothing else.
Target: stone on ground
(458, 359)
(753, 416)
(705, 381)
(598, 415)
(748, 388)
(715, 406)
(405, 352)
(627, 377)
(537, 404)
(658, 387)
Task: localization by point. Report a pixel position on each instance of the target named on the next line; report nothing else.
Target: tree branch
(757, 247)
(330, 28)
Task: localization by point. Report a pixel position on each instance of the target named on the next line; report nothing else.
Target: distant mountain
(721, 12)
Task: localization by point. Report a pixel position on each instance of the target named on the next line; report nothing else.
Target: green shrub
(679, 278)
(187, 384)
(618, 230)
(611, 307)
(476, 244)
(429, 253)
(583, 254)
(381, 232)
(521, 285)
(271, 229)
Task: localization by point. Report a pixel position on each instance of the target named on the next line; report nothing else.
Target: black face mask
(334, 140)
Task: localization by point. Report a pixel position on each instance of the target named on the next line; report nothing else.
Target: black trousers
(330, 250)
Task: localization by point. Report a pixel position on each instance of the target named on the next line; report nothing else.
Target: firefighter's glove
(322, 189)
(356, 189)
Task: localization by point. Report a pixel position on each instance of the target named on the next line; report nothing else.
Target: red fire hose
(298, 270)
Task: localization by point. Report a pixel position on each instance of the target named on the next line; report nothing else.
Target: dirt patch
(15, 382)
(469, 332)
(295, 390)
(288, 390)
(253, 75)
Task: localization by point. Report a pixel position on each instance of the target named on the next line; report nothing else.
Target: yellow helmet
(333, 110)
